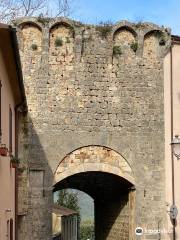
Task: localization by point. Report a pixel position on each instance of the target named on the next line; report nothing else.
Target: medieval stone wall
(93, 85)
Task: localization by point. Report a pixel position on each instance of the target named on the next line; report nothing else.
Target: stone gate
(95, 122)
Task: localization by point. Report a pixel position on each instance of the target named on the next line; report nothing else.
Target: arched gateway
(107, 177)
(87, 87)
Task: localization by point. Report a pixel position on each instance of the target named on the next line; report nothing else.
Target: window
(10, 130)
(11, 229)
(8, 229)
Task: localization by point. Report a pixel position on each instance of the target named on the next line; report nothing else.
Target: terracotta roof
(2, 25)
(175, 38)
(63, 211)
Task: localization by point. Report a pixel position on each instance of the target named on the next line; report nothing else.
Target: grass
(43, 20)
(139, 24)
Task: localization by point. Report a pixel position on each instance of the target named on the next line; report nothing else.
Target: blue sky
(162, 12)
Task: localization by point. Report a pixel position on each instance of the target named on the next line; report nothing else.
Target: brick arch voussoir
(94, 159)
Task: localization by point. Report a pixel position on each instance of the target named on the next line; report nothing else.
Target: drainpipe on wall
(172, 134)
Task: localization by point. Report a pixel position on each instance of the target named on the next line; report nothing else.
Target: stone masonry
(91, 86)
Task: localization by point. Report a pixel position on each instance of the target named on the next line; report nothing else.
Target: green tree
(87, 232)
(68, 199)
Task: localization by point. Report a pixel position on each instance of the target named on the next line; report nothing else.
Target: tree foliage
(12, 9)
(68, 199)
(87, 232)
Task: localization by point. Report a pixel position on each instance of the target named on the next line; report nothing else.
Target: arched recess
(62, 43)
(61, 63)
(108, 178)
(152, 41)
(31, 35)
(31, 53)
(126, 39)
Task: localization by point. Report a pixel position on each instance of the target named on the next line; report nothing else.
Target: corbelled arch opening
(61, 31)
(125, 41)
(29, 23)
(61, 60)
(124, 29)
(31, 37)
(107, 177)
(153, 40)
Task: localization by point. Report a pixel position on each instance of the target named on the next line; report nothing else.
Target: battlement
(140, 39)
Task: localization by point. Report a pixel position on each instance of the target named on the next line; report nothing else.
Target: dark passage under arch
(112, 198)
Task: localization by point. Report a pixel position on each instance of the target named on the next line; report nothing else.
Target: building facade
(96, 119)
(103, 108)
(11, 97)
(172, 128)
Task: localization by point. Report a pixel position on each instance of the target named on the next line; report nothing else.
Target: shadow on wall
(35, 185)
(113, 218)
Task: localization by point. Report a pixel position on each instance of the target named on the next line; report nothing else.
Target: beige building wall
(56, 223)
(12, 95)
(7, 174)
(176, 129)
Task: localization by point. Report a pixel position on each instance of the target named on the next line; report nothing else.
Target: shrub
(161, 37)
(34, 47)
(67, 40)
(21, 169)
(117, 50)
(58, 42)
(134, 46)
(87, 232)
(14, 159)
(162, 42)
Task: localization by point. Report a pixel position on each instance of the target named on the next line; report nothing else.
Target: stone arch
(62, 23)
(31, 34)
(107, 177)
(22, 24)
(94, 158)
(152, 40)
(127, 32)
(125, 38)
